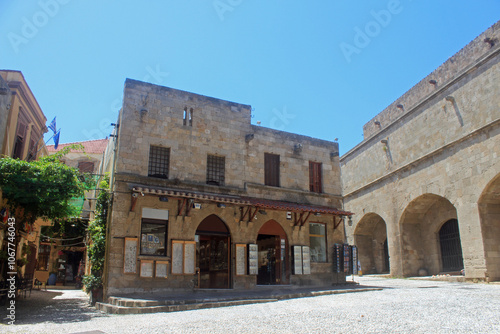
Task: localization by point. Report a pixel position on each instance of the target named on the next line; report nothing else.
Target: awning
(259, 203)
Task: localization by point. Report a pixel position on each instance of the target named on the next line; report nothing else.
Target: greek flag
(52, 125)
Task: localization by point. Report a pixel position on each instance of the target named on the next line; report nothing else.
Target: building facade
(22, 125)
(66, 256)
(425, 181)
(203, 198)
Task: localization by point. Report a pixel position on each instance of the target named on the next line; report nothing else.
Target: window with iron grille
(315, 177)
(216, 167)
(86, 167)
(159, 159)
(271, 169)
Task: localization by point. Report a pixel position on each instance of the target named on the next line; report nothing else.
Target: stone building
(425, 181)
(204, 198)
(22, 125)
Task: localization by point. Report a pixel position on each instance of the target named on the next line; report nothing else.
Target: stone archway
(370, 236)
(213, 244)
(420, 224)
(274, 261)
(489, 213)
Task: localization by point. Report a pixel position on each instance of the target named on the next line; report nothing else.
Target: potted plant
(93, 286)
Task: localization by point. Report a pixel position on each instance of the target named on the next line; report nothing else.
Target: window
(188, 117)
(43, 257)
(154, 237)
(86, 167)
(317, 239)
(159, 158)
(215, 170)
(20, 138)
(315, 177)
(271, 169)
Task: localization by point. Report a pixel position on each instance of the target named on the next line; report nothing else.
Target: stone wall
(154, 115)
(431, 161)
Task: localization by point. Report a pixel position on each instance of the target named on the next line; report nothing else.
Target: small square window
(86, 167)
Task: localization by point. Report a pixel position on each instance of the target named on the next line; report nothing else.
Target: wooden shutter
(271, 169)
(315, 177)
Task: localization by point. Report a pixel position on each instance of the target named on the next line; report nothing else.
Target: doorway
(273, 256)
(451, 249)
(213, 253)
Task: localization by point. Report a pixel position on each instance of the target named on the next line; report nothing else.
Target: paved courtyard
(403, 306)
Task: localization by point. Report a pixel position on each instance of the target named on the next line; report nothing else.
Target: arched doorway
(273, 255)
(421, 223)
(213, 241)
(370, 236)
(451, 250)
(489, 213)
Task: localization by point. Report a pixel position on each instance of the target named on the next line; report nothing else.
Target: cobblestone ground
(404, 306)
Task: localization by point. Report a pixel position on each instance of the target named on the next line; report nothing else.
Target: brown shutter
(272, 169)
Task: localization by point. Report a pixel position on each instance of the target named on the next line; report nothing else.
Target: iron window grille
(159, 159)
(216, 167)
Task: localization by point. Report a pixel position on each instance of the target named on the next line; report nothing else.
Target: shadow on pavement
(55, 306)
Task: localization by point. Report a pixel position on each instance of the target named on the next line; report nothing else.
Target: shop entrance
(213, 245)
(273, 256)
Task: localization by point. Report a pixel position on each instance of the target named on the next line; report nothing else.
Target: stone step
(131, 302)
(116, 309)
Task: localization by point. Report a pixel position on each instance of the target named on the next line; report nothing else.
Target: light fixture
(163, 199)
(221, 205)
(384, 141)
(450, 98)
(433, 82)
(197, 206)
(263, 212)
(317, 214)
(490, 41)
(297, 148)
(349, 222)
(249, 137)
(400, 106)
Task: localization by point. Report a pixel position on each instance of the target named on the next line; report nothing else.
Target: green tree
(42, 188)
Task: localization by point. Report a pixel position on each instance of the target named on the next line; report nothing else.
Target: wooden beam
(305, 219)
(181, 204)
(335, 224)
(133, 201)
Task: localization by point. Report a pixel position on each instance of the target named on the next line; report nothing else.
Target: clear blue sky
(300, 64)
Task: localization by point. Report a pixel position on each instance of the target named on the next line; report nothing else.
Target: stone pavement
(209, 298)
(403, 306)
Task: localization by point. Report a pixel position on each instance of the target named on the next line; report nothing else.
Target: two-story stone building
(201, 197)
(425, 181)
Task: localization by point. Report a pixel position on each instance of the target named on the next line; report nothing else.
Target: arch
(370, 236)
(489, 215)
(272, 243)
(213, 241)
(420, 224)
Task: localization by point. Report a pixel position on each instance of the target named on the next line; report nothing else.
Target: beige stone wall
(153, 115)
(446, 145)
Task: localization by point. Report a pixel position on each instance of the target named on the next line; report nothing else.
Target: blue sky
(303, 66)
